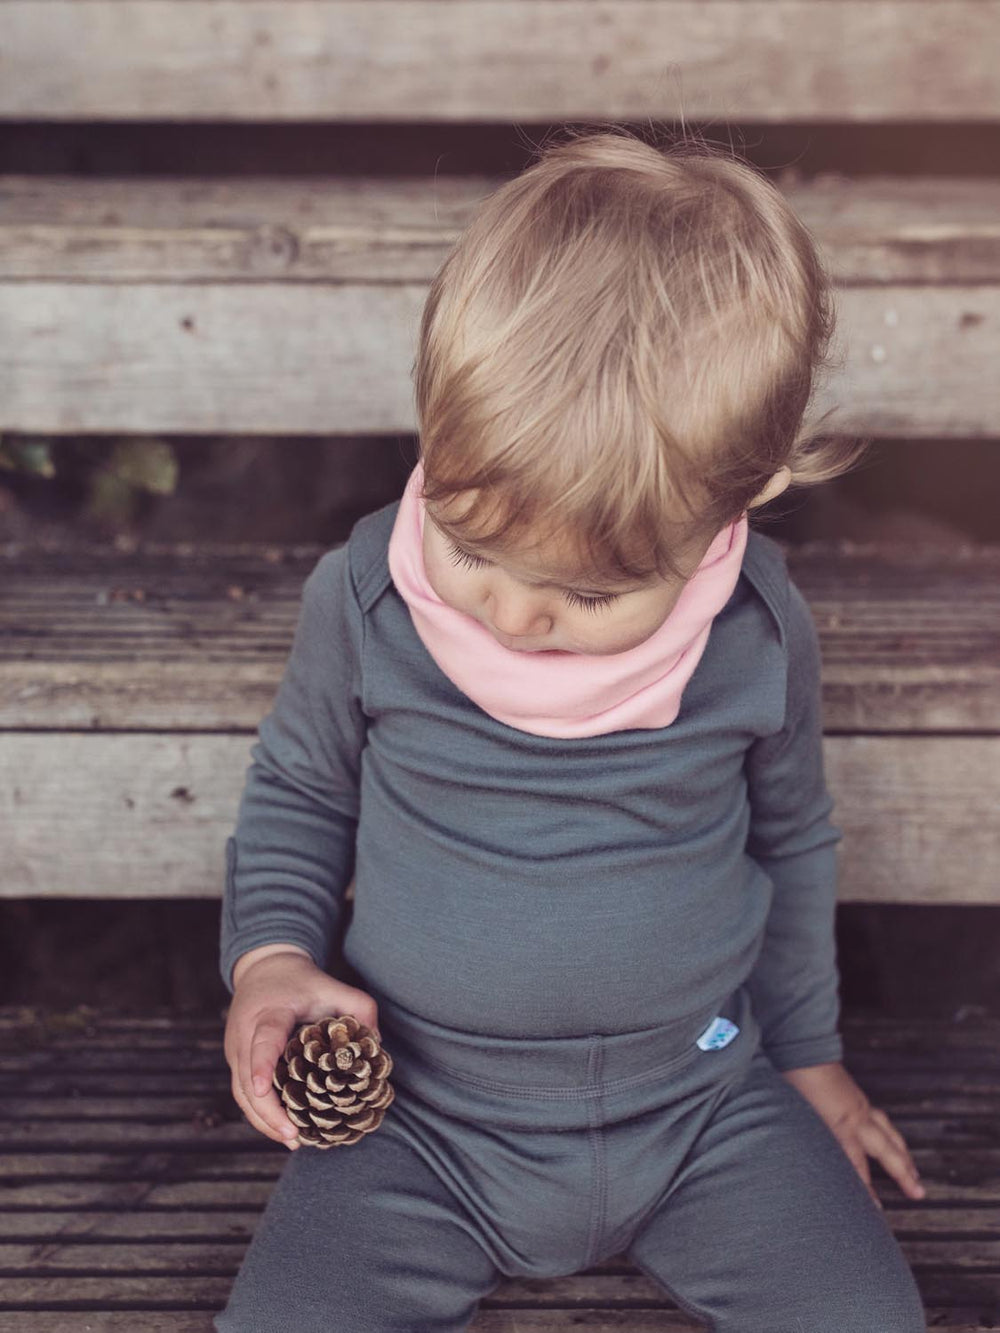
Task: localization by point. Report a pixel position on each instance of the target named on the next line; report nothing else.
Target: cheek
(625, 629)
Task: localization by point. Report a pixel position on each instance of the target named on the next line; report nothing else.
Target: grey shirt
(525, 885)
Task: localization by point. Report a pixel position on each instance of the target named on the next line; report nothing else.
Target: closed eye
(459, 557)
(590, 603)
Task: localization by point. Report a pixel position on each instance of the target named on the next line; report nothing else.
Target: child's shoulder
(765, 567)
(766, 570)
(367, 554)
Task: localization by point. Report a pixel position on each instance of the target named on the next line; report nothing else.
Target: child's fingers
(249, 1110)
(266, 1044)
(888, 1146)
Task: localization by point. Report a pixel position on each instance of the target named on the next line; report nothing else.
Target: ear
(774, 487)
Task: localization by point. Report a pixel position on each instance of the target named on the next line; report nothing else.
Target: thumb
(346, 999)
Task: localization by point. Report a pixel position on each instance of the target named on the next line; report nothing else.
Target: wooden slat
(131, 1225)
(943, 1226)
(184, 229)
(123, 815)
(489, 1321)
(200, 358)
(27, 1196)
(60, 1256)
(172, 637)
(280, 358)
(417, 60)
(208, 1292)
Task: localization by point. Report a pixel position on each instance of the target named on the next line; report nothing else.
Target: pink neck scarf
(565, 694)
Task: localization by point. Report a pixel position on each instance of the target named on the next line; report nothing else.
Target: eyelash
(460, 557)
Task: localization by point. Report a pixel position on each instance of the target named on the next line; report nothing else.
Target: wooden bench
(131, 1185)
(132, 679)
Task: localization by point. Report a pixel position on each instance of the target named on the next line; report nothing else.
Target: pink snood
(565, 694)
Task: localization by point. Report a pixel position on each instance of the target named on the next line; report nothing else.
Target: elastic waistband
(552, 1064)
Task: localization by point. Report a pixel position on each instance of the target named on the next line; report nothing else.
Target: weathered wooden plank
(348, 346)
(142, 1224)
(172, 637)
(283, 358)
(395, 60)
(125, 1135)
(58, 1256)
(150, 1166)
(261, 229)
(24, 1198)
(160, 1201)
(488, 1321)
(107, 1292)
(129, 1224)
(132, 814)
(555, 1293)
(106, 1321)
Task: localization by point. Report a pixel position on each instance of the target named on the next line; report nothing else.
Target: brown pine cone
(333, 1081)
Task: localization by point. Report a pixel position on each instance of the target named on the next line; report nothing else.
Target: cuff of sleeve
(237, 947)
(810, 1051)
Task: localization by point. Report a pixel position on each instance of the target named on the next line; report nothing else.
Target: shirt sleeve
(794, 985)
(290, 858)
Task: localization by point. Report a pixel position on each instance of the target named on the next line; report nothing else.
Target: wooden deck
(130, 1184)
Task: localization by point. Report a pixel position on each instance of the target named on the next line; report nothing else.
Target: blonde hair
(621, 347)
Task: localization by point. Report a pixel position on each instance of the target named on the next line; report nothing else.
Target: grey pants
(540, 1157)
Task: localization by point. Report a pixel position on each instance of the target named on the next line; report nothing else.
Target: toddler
(557, 712)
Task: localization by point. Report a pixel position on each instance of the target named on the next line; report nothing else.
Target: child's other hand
(277, 987)
(862, 1130)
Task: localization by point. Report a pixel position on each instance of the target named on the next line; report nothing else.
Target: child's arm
(291, 856)
(794, 983)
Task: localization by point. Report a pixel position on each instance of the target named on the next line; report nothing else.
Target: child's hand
(276, 988)
(862, 1130)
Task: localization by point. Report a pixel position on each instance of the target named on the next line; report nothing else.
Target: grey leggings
(540, 1157)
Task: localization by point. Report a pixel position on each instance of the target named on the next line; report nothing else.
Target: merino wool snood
(565, 694)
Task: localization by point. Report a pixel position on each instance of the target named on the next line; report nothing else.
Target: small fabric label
(719, 1033)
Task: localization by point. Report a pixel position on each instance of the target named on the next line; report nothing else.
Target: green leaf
(31, 456)
(145, 463)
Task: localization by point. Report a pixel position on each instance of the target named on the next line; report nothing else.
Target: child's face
(540, 601)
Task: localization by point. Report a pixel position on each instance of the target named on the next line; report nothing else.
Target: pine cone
(333, 1081)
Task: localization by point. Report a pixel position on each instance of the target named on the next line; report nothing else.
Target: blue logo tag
(719, 1033)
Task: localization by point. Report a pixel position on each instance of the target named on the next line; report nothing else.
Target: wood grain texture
(498, 60)
(188, 637)
(311, 359)
(150, 1238)
(125, 815)
(274, 229)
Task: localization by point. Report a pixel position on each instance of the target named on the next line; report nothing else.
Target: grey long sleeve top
(526, 885)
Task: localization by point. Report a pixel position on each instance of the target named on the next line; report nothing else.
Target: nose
(517, 612)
